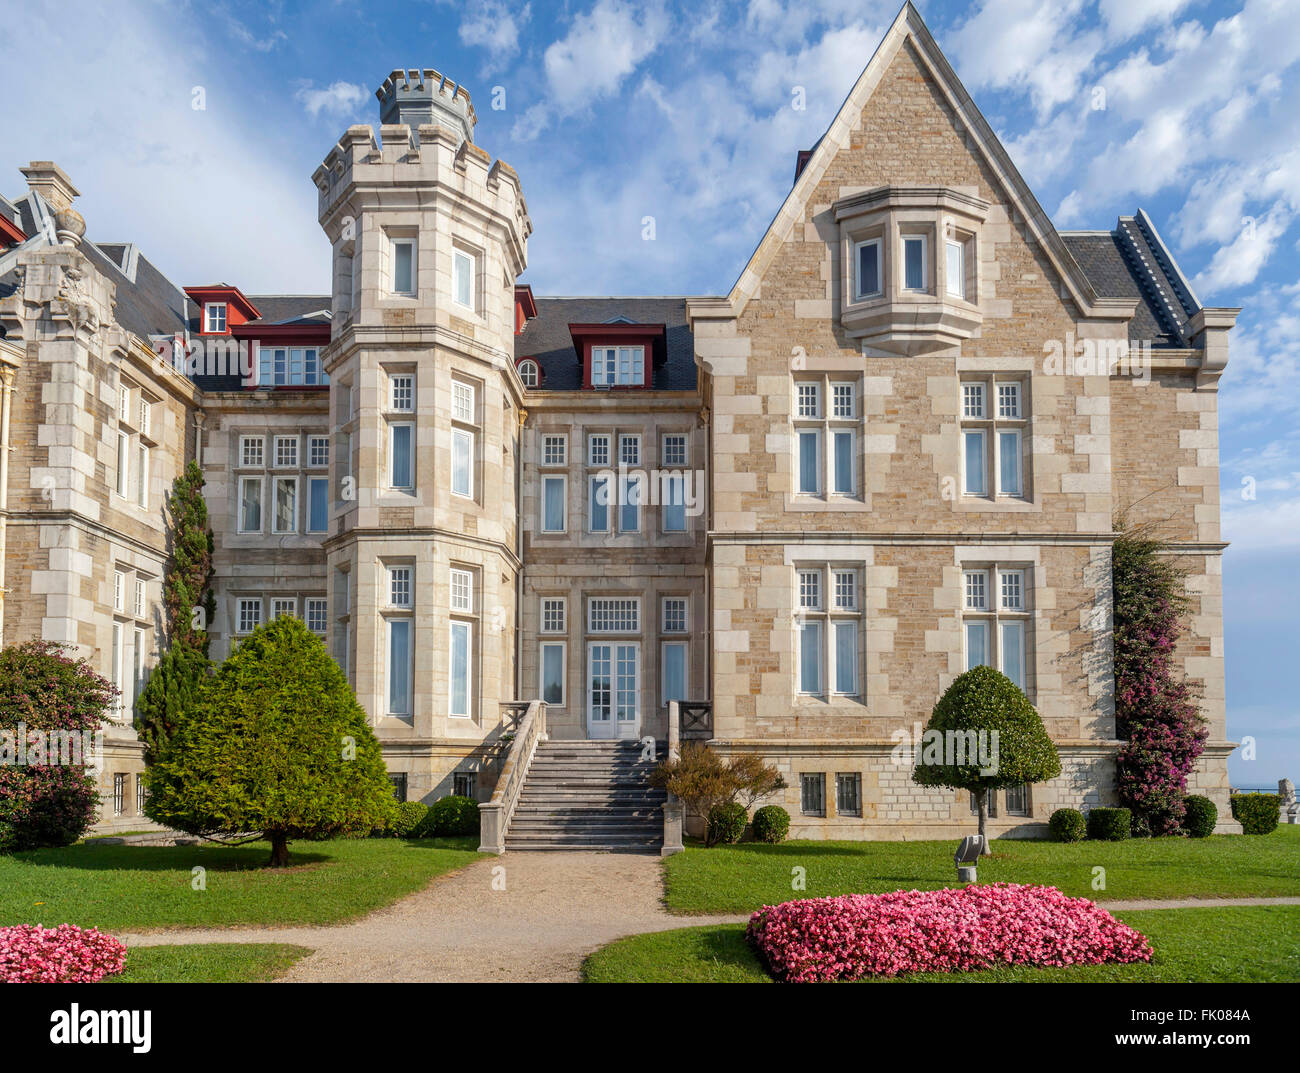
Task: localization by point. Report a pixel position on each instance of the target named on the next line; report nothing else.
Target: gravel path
(554, 910)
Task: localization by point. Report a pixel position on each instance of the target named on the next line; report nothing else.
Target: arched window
(528, 372)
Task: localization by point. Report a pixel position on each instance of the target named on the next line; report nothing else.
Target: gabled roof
(909, 27)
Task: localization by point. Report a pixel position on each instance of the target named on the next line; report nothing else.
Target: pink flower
(30, 953)
(952, 930)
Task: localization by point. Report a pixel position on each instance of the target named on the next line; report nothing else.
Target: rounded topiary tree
(984, 734)
(51, 709)
(276, 744)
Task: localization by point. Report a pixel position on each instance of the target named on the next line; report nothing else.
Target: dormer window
(866, 260)
(618, 366)
(528, 373)
(214, 317)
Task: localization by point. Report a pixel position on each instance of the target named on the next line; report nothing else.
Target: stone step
(580, 842)
(586, 847)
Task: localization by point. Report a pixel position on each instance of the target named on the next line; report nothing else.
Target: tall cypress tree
(188, 603)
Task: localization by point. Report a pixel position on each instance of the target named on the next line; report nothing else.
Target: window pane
(808, 462)
(251, 506)
(1009, 463)
(553, 674)
(914, 264)
(674, 504)
(461, 469)
(977, 648)
(630, 508)
(868, 269)
(399, 663)
(553, 491)
(286, 496)
(846, 657)
(401, 461)
(810, 657)
(974, 446)
(402, 267)
(460, 668)
(464, 279)
(956, 283)
(319, 490)
(1013, 657)
(844, 463)
(674, 672)
(599, 511)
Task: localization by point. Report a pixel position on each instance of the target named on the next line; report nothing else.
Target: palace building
(894, 449)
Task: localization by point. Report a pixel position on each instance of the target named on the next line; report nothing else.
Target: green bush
(1067, 825)
(1258, 814)
(726, 822)
(448, 816)
(1110, 824)
(771, 823)
(406, 820)
(1199, 816)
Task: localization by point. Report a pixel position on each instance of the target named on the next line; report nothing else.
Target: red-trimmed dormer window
(618, 355)
(214, 317)
(222, 308)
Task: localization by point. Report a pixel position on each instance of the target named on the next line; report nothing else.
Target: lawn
(215, 963)
(136, 888)
(1253, 944)
(741, 878)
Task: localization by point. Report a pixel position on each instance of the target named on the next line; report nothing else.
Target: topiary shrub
(277, 743)
(406, 820)
(51, 710)
(1067, 825)
(450, 816)
(771, 823)
(1002, 740)
(726, 823)
(1258, 814)
(1109, 824)
(1199, 816)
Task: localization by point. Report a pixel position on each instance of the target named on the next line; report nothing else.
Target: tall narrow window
(139, 598)
(551, 665)
(462, 278)
(598, 508)
(867, 269)
(674, 671)
(553, 490)
(250, 504)
(403, 266)
(812, 793)
(401, 462)
(462, 462)
(914, 267)
(399, 666)
(115, 671)
(142, 475)
(119, 590)
(673, 501)
(629, 507)
(809, 450)
(286, 505)
(123, 462)
(460, 668)
(318, 489)
(848, 794)
(955, 257)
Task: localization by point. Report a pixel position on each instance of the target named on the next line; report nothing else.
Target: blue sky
(616, 110)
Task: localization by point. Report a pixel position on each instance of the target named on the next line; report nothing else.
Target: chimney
(425, 96)
(46, 178)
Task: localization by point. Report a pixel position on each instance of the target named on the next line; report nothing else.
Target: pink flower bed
(953, 930)
(31, 954)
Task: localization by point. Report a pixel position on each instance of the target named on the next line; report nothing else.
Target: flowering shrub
(953, 930)
(1155, 710)
(31, 954)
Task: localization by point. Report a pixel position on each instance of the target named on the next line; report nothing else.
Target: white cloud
(1124, 18)
(336, 99)
(494, 25)
(1239, 262)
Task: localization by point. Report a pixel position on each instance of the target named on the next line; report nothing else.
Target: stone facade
(872, 431)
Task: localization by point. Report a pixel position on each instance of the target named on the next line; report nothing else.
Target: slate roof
(1133, 262)
(546, 337)
(281, 309)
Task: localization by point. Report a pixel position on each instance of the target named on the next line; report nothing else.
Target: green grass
(741, 878)
(120, 888)
(212, 963)
(1251, 944)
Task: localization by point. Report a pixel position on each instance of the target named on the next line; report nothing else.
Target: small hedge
(727, 822)
(1109, 824)
(407, 817)
(771, 823)
(1258, 814)
(1067, 825)
(1199, 816)
(448, 816)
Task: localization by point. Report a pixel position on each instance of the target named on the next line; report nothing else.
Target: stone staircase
(592, 795)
